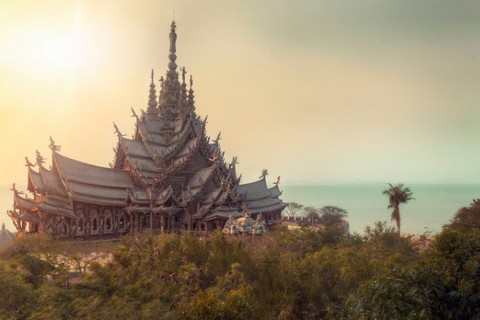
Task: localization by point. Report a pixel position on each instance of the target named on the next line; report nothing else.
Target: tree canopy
(466, 217)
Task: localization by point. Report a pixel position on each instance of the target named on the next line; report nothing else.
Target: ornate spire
(182, 103)
(152, 98)
(161, 93)
(191, 96)
(173, 37)
(171, 86)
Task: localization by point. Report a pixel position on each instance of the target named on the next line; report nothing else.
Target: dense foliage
(284, 274)
(466, 217)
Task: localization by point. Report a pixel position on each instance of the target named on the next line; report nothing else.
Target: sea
(434, 204)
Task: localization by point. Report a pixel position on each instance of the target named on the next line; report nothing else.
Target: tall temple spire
(171, 87)
(182, 102)
(152, 98)
(191, 96)
(173, 38)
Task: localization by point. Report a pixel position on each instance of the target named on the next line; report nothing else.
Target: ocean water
(434, 206)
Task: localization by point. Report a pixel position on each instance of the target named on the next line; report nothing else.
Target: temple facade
(170, 177)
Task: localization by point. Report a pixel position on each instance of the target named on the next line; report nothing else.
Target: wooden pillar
(101, 222)
(162, 225)
(114, 222)
(132, 227)
(151, 222)
(86, 214)
(136, 223)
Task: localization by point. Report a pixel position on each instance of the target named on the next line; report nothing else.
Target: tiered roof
(170, 148)
(260, 198)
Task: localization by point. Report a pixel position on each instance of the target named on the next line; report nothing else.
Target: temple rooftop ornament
(53, 146)
(28, 163)
(168, 178)
(264, 174)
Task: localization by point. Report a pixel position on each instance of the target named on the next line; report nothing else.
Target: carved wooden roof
(74, 170)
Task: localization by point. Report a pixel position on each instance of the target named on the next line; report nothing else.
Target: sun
(50, 43)
(61, 51)
(53, 50)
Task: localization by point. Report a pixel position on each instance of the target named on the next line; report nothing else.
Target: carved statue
(53, 146)
(183, 73)
(260, 226)
(264, 173)
(29, 164)
(119, 134)
(245, 212)
(233, 163)
(74, 227)
(134, 114)
(40, 159)
(278, 181)
(15, 191)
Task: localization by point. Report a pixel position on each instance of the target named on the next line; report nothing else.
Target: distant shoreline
(435, 204)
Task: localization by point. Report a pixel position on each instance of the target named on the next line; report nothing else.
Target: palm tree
(396, 195)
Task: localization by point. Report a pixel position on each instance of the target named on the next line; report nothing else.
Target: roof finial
(53, 146)
(183, 73)
(182, 102)
(29, 164)
(117, 131)
(152, 98)
(264, 174)
(278, 181)
(191, 96)
(170, 89)
(218, 137)
(40, 159)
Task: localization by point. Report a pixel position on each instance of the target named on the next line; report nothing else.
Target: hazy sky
(385, 91)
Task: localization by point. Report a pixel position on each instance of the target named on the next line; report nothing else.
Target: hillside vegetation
(299, 274)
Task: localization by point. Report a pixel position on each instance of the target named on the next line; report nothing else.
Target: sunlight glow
(60, 52)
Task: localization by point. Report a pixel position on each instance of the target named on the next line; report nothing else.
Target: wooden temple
(170, 177)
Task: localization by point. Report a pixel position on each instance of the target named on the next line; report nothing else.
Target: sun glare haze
(312, 91)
